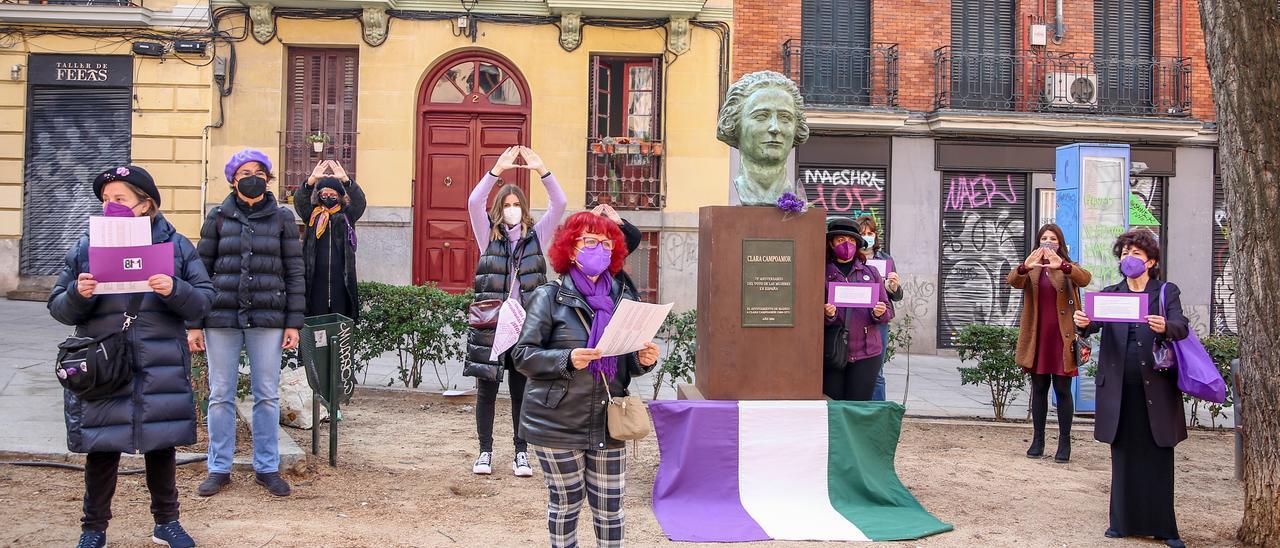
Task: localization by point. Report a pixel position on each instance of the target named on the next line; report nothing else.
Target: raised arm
(556, 199)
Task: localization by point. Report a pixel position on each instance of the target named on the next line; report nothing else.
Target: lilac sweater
(545, 228)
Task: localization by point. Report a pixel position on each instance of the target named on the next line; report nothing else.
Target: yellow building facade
(416, 100)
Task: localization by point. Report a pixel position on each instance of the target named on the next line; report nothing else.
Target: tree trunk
(1242, 43)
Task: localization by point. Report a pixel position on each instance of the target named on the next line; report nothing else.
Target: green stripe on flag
(861, 479)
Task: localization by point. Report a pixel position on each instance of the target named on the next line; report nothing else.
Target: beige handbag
(628, 417)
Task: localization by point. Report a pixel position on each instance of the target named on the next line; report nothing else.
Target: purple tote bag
(1197, 374)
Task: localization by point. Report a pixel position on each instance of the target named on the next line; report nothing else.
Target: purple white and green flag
(736, 471)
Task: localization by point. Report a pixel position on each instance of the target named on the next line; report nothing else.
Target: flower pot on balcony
(657, 149)
(597, 148)
(317, 146)
(645, 148)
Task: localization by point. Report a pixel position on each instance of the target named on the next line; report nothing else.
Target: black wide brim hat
(133, 175)
(844, 226)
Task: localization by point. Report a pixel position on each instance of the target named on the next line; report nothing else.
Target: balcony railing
(300, 157)
(836, 74)
(1029, 81)
(625, 175)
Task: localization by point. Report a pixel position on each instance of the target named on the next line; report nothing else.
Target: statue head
(763, 117)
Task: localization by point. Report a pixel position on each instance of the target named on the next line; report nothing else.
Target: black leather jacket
(564, 408)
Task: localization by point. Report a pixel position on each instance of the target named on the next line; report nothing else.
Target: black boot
(1064, 449)
(1037, 445)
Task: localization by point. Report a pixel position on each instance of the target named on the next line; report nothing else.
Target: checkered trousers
(598, 475)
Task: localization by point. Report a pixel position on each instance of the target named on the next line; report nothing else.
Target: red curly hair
(565, 242)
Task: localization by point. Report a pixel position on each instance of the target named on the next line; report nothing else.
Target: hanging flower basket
(318, 140)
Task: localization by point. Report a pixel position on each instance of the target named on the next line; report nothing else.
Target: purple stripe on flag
(695, 496)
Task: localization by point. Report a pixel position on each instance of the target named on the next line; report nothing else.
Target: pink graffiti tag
(845, 198)
(981, 191)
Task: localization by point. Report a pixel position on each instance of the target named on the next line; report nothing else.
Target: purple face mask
(845, 250)
(1132, 267)
(112, 209)
(593, 261)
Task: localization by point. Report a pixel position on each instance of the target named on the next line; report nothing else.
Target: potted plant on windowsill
(317, 140)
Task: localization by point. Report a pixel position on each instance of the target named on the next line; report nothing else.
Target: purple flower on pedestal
(791, 203)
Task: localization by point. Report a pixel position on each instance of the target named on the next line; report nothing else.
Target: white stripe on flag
(782, 471)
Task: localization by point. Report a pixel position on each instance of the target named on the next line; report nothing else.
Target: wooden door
(473, 106)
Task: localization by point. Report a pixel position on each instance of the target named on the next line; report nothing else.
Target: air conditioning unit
(1071, 89)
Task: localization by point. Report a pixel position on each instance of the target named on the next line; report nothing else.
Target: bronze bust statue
(763, 117)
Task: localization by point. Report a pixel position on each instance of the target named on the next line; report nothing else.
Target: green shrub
(993, 348)
(681, 334)
(421, 324)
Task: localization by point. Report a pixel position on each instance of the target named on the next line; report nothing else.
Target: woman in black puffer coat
(157, 412)
(250, 246)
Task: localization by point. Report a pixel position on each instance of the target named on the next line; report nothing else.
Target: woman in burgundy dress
(1050, 285)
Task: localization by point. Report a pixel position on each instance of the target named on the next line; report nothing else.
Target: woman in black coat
(1139, 409)
(564, 417)
(250, 246)
(156, 413)
(330, 206)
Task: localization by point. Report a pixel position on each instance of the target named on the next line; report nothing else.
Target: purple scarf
(601, 302)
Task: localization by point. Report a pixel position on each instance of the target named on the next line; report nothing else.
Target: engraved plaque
(768, 283)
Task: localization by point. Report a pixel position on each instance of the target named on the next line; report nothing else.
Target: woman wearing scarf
(511, 265)
(564, 416)
(330, 205)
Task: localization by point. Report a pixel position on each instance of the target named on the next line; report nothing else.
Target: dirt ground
(404, 479)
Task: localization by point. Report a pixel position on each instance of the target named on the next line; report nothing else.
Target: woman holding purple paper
(1140, 410)
(564, 417)
(870, 229)
(1050, 285)
(856, 381)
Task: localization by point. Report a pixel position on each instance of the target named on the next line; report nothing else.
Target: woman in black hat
(155, 413)
(331, 205)
(856, 379)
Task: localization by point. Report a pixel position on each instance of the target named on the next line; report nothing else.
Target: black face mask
(329, 201)
(252, 187)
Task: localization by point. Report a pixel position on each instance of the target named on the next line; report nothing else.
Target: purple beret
(243, 157)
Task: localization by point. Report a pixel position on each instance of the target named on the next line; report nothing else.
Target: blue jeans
(223, 349)
(878, 393)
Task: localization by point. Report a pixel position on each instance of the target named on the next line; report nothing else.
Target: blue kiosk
(1092, 184)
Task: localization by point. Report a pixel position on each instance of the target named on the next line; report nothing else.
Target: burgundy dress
(1048, 337)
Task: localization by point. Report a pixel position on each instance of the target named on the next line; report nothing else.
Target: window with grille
(323, 84)
(625, 148)
(642, 266)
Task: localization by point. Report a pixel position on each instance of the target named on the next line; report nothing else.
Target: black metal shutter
(1122, 34)
(984, 235)
(73, 134)
(1223, 303)
(848, 192)
(834, 61)
(1151, 192)
(982, 47)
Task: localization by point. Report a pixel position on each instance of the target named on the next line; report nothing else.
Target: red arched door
(472, 106)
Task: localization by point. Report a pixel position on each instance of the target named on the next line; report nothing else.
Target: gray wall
(385, 250)
(1190, 233)
(914, 225)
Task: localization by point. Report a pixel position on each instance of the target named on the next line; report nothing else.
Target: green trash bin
(325, 352)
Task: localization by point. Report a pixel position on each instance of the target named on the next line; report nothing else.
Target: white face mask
(512, 215)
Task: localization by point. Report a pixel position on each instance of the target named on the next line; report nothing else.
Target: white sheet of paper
(853, 294)
(119, 232)
(881, 266)
(510, 323)
(1120, 308)
(633, 324)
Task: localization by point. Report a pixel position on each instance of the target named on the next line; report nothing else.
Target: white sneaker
(484, 464)
(521, 466)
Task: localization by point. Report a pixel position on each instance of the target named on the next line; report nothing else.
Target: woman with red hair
(563, 418)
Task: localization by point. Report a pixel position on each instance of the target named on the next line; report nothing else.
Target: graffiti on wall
(847, 192)
(983, 237)
(1222, 294)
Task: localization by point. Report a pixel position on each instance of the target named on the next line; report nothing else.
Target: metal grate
(831, 73)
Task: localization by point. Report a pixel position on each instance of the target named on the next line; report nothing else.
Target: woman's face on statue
(768, 126)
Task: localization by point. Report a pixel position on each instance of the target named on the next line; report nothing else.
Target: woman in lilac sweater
(511, 266)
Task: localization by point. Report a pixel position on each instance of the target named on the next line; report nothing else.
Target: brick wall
(921, 26)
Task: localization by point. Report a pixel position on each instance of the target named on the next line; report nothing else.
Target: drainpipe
(1059, 28)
